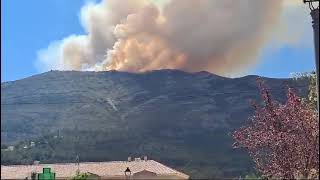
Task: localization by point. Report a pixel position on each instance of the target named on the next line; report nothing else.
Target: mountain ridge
(179, 118)
(141, 73)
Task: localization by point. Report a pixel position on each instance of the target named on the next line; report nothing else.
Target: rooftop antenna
(314, 8)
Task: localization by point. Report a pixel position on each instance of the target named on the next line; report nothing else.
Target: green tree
(251, 176)
(3, 146)
(312, 77)
(81, 176)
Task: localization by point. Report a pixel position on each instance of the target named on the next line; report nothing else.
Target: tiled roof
(102, 169)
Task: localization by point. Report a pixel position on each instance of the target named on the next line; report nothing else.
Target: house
(10, 148)
(32, 144)
(135, 169)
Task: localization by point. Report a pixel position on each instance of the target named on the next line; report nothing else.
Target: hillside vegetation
(181, 119)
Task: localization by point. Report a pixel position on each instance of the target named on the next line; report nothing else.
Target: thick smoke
(223, 37)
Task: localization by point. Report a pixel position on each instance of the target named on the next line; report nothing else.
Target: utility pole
(78, 164)
(315, 24)
(76, 148)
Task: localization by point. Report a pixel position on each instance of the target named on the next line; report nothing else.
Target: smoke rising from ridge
(222, 37)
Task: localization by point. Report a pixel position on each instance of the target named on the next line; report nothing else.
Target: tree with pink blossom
(282, 139)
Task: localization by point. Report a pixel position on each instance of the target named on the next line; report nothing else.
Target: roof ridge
(176, 171)
(67, 163)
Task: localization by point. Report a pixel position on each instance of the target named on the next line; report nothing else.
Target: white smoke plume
(222, 37)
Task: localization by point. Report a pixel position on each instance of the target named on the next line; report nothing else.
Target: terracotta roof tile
(103, 169)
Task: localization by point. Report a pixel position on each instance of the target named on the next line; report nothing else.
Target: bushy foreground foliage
(282, 139)
(312, 77)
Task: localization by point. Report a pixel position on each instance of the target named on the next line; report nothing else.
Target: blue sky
(284, 61)
(28, 26)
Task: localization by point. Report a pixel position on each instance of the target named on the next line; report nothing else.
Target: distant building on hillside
(32, 144)
(10, 148)
(131, 169)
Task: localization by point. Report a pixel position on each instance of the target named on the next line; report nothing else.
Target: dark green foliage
(3, 146)
(201, 155)
(81, 176)
(252, 176)
(312, 78)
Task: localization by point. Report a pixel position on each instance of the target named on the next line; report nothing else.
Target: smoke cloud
(222, 37)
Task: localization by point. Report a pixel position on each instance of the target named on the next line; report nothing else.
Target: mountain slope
(179, 118)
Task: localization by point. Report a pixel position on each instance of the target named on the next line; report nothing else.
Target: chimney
(137, 159)
(129, 159)
(36, 162)
(145, 158)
